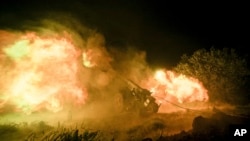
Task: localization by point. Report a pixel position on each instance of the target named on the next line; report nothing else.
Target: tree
(222, 72)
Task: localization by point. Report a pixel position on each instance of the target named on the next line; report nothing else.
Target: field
(178, 125)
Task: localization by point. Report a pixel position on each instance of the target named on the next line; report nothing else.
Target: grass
(129, 127)
(172, 126)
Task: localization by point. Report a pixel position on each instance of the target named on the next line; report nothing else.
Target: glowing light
(44, 74)
(87, 59)
(160, 76)
(18, 50)
(172, 87)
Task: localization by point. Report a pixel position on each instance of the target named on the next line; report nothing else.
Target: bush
(224, 73)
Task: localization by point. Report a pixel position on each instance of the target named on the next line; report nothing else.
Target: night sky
(164, 30)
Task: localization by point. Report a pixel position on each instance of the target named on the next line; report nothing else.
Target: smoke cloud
(60, 65)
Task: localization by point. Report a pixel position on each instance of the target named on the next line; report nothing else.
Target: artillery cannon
(134, 98)
(122, 95)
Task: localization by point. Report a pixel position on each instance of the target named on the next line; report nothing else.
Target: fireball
(167, 85)
(41, 72)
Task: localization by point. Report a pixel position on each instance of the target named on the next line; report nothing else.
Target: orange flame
(167, 85)
(44, 74)
(87, 57)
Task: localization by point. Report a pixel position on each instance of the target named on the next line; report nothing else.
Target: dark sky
(164, 30)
